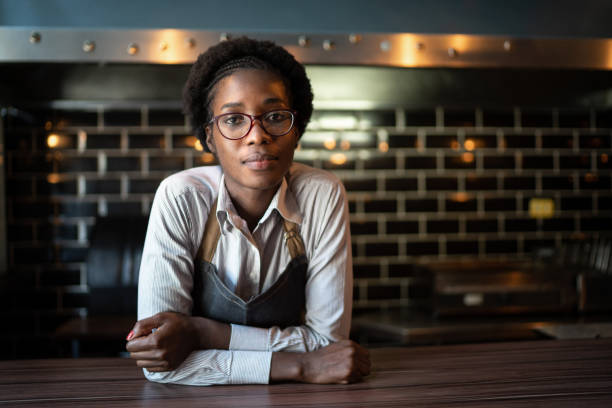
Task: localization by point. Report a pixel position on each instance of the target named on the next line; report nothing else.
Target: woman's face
(258, 161)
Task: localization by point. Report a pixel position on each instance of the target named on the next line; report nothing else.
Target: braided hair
(225, 58)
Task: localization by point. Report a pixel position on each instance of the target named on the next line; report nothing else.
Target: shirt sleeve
(328, 289)
(165, 284)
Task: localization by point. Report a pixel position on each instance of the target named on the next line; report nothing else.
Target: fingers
(145, 326)
(143, 343)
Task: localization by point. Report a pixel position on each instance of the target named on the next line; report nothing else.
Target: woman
(246, 269)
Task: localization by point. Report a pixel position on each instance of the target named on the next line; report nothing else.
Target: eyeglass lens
(237, 125)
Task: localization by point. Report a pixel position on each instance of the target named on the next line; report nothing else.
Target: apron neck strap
(212, 232)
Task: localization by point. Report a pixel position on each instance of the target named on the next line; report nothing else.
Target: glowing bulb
(53, 140)
(467, 157)
(460, 197)
(329, 143)
(383, 147)
(345, 145)
(208, 158)
(53, 178)
(469, 144)
(198, 146)
(338, 159)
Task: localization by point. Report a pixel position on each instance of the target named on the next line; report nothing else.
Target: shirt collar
(283, 202)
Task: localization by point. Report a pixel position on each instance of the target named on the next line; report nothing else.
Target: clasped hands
(163, 341)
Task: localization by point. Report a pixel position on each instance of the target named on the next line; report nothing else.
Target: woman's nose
(257, 134)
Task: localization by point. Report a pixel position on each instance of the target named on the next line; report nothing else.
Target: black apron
(282, 304)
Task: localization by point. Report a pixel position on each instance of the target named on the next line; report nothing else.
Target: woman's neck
(251, 204)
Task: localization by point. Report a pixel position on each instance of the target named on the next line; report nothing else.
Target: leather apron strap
(212, 233)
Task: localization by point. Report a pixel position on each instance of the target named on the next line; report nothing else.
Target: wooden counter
(546, 373)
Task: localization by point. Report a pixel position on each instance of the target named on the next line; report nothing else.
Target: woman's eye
(233, 120)
(276, 117)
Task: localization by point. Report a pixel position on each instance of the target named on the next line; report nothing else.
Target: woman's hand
(163, 341)
(339, 363)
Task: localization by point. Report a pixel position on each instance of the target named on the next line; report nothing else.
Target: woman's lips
(259, 161)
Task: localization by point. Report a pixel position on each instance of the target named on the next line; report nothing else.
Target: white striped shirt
(248, 263)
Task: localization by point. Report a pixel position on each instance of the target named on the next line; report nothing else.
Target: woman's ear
(210, 143)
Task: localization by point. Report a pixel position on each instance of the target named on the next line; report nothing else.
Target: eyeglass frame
(214, 120)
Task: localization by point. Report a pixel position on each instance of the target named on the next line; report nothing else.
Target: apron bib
(282, 304)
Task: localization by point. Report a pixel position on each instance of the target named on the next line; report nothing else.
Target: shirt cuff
(250, 367)
(249, 338)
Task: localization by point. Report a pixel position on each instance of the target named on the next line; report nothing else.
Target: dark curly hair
(225, 58)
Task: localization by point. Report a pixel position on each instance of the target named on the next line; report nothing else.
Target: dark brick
(555, 141)
(442, 226)
(402, 227)
(166, 117)
(576, 203)
(461, 205)
(167, 163)
(595, 141)
(424, 117)
(501, 246)
(498, 117)
(144, 141)
(520, 224)
(594, 182)
(140, 186)
(121, 118)
(421, 205)
(519, 141)
(461, 247)
(500, 204)
(385, 162)
(442, 141)
(378, 292)
(557, 182)
(360, 184)
(422, 248)
(537, 162)
(536, 118)
(402, 141)
(480, 183)
(603, 223)
(481, 225)
(380, 206)
(109, 186)
(401, 184)
(364, 227)
(460, 117)
(463, 161)
(126, 163)
(558, 224)
(103, 141)
(519, 183)
(419, 162)
(76, 164)
(379, 117)
(499, 162)
(382, 249)
(124, 208)
(363, 271)
(574, 119)
(441, 183)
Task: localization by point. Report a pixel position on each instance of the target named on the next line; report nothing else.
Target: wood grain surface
(547, 373)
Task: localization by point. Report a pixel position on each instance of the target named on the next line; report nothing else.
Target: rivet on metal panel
(132, 49)
(385, 45)
(303, 41)
(190, 42)
(452, 52)
(507, 45)
(35, 38)
(89, 46)
(224, 37)
(163, 46)
(355, 38)
(328, 45)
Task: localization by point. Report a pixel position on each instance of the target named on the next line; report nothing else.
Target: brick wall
(424, 185)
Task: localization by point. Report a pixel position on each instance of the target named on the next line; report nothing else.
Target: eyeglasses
(235, 126)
